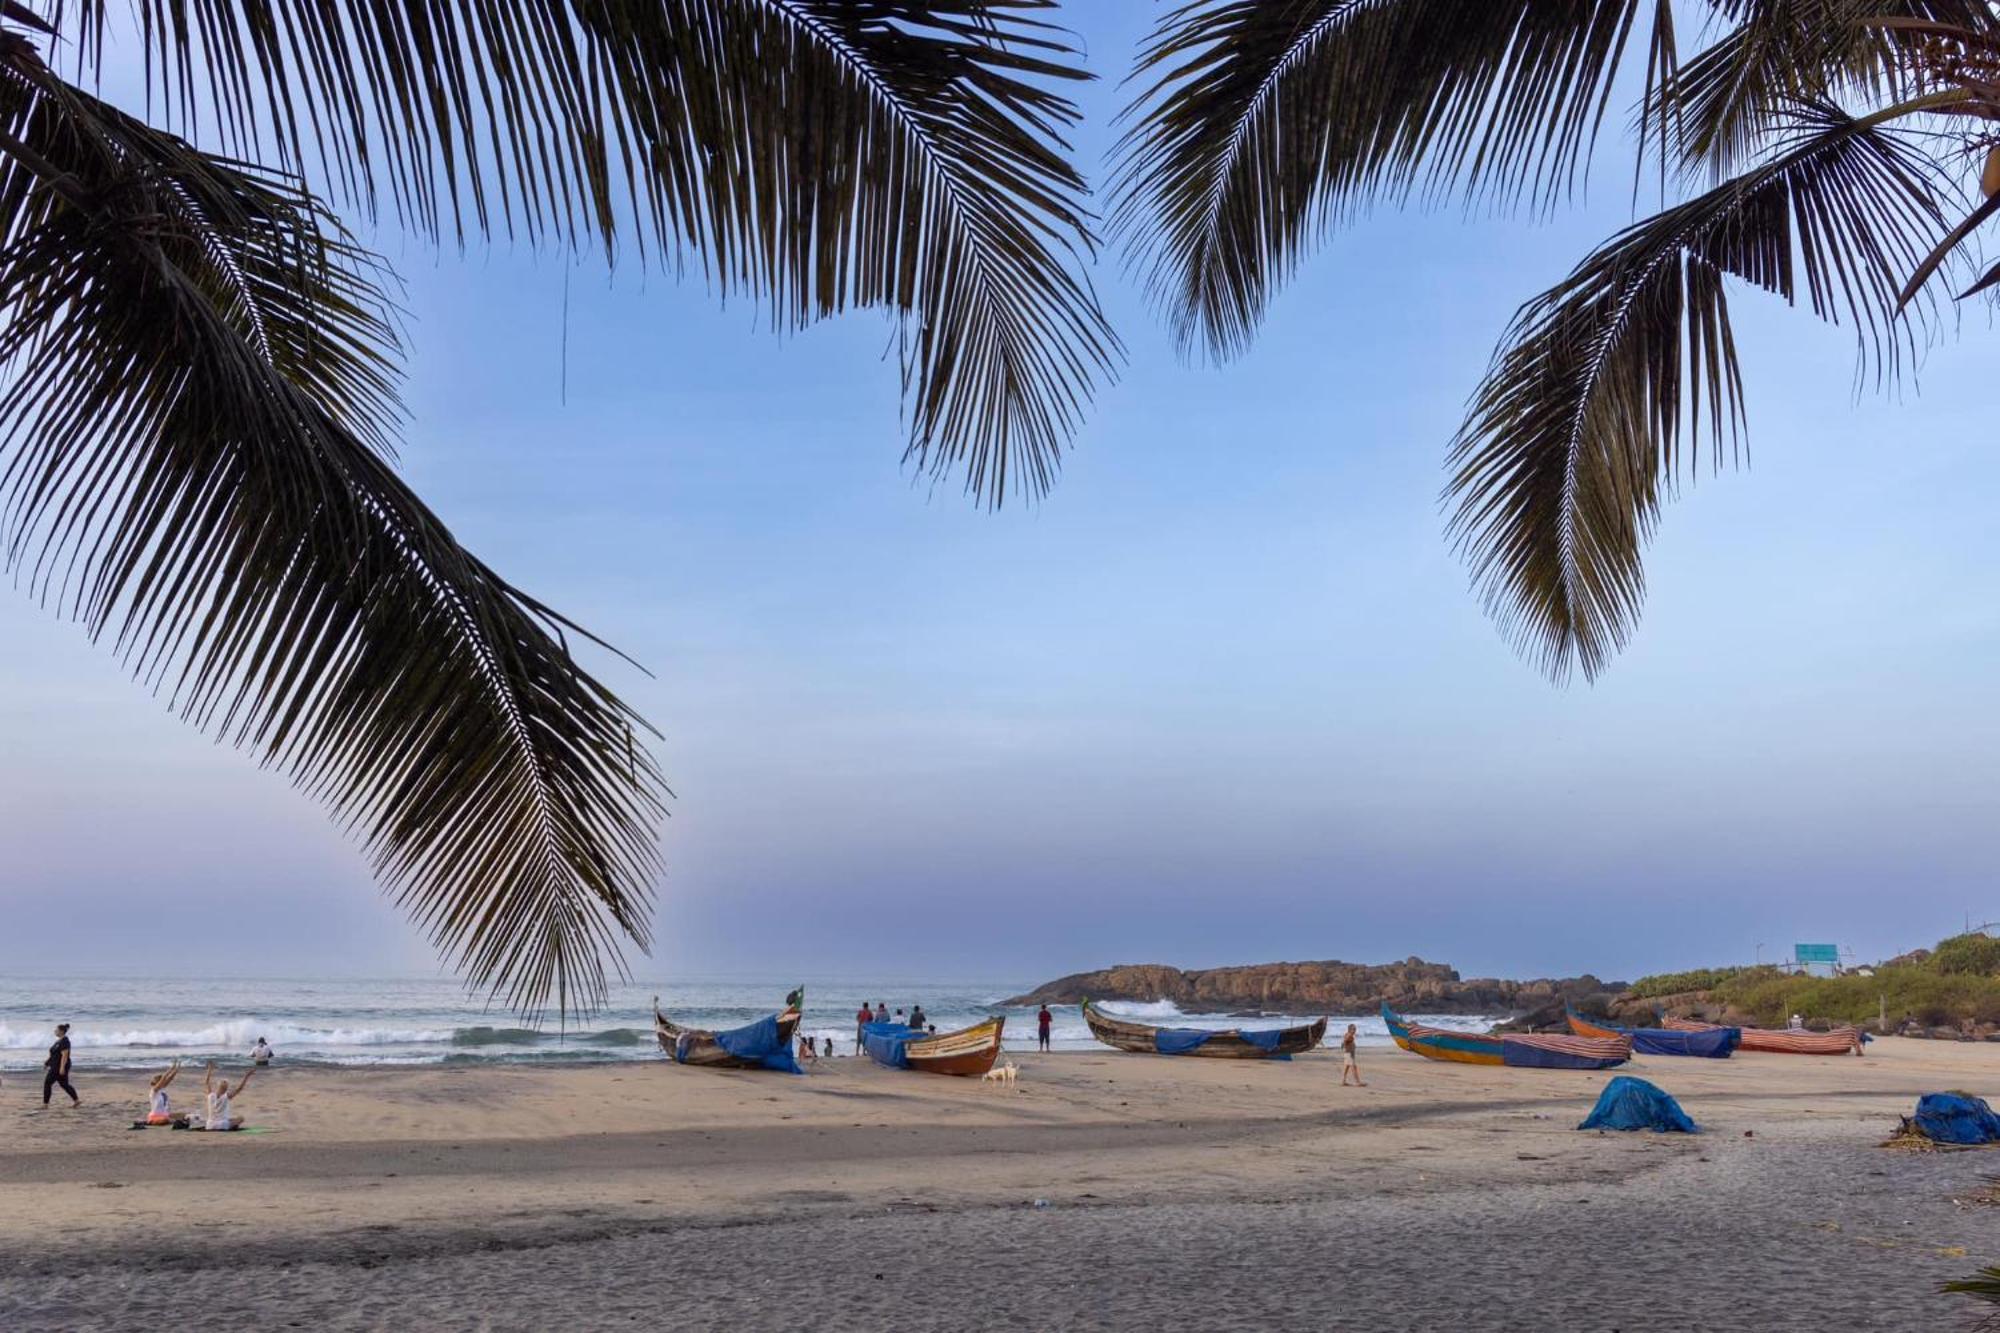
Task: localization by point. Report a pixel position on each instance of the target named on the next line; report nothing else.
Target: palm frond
(821, 154)
(1722, 103)
(1983, 1286)
(1599, 396)
(1260, 122)
(198, 383)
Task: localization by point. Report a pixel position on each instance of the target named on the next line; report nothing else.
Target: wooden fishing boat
(966, 1052)
(1782, 1041)
(1710, 1043)
(1227, 1044)
(1522, 1050)
(753, 1046)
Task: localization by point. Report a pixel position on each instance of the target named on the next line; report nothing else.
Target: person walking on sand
(861, 1020)
(1347, 1065)
(1043, 1020)
(55, 1069)
(218, 1094)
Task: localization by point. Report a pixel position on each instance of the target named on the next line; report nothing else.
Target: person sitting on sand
(158, 1112)
(261, 1053)
(1347, 1065)
(219, 1093)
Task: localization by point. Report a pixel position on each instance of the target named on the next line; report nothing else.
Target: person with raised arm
(218, 1093)
(158, 1110)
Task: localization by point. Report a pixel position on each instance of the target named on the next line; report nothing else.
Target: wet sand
(1183, 1193)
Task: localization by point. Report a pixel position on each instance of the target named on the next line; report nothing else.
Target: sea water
(140, 1022)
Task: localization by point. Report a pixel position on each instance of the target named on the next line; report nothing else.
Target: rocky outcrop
(1320, 988)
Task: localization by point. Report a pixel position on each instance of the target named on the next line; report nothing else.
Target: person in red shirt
(861, 1020)
(1042, 1021)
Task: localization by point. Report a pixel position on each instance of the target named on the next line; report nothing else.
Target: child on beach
(158, 1111)
(218, 1094)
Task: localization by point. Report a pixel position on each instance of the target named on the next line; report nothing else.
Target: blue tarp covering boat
(1633, 1103)
(888, 1043)
(1710, 1043)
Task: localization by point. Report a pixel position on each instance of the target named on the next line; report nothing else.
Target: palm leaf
(1725, 101)
(1598, 398)
(1260, 122)
(822, 154)
(197, 394)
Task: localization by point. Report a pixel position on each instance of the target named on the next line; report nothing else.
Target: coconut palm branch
(1599, 397)
(200, 373)
(199, 393)
(820, 154)
(1262, 124)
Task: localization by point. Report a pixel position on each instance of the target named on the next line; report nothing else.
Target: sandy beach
(1195, 1193)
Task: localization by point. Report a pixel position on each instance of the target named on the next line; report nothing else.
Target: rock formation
(1412, 985)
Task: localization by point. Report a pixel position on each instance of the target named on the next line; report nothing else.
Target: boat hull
(966, 1053)
(1525, 1051)
(1230, 1044)
(699, 1048)
(1711, 1043)
(1782, 1041)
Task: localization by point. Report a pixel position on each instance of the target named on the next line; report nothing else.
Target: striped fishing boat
(1782, 1041)
(1522, 1050)
(1712, 1043)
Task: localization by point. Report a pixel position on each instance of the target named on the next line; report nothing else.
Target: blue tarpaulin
(1954, 1117)
(1714, 1043)
(1264, 1039)
(1179, 1041)
(759, 1041)
(887, 1043)
(1633, 1103)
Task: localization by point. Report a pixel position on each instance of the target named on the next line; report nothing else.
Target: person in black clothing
(1042, 1021)
(55, 1070)
(917, 1016)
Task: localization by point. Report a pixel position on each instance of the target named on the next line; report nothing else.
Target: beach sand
(1179, 1193)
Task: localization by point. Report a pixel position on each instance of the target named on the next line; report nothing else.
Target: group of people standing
(216, 1092)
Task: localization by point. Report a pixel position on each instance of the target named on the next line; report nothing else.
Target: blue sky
(1223, 697)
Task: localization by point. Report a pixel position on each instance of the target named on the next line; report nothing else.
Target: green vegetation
(1674, 983)
(1957, 982)
(1968, 955)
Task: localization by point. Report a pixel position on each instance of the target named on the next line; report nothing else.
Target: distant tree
(199, 372)
(1815, 149)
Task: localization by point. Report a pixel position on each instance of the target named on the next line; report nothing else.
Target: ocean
(139, 1022)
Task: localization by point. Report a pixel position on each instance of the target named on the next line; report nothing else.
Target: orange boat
(1781, 1041)
(967, 1052)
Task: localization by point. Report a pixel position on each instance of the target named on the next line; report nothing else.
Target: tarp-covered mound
(761, 1041)
(1954, 1117)
(1633, 1103)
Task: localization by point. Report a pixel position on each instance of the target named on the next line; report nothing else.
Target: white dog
(1006, 1073)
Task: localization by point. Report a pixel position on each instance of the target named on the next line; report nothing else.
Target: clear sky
(1223, 697)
